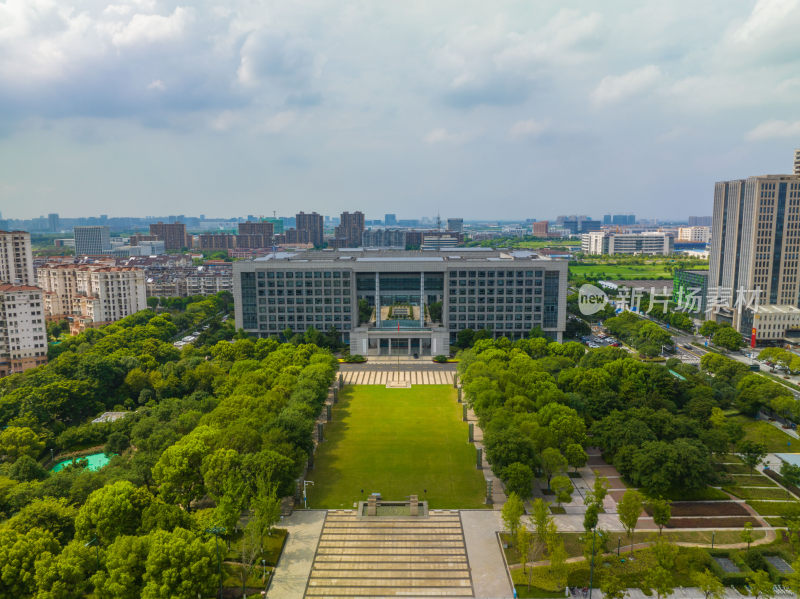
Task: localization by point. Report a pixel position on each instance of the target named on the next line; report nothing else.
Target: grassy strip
(748, 480)
(759, 493)
(776, 508)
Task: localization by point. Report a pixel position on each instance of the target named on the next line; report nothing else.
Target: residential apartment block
(173, 281)
(16, 258)
(649, 242)
(172, 234)
(694, 234)
(91, 295)
(23, 336)
(311, 225)
(508, 293)
(351, 228)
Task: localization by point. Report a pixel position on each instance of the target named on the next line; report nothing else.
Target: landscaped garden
(396, 442)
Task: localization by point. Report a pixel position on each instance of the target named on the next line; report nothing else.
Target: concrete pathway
(291, 573)
(489, 576)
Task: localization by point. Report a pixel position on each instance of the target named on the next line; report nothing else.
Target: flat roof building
(609, 244)
(390, 302)
(92, 240)
(16, 258)
(23, 336)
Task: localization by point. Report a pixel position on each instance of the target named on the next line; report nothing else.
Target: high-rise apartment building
(92, 240)
(390, 220)
(91, 295)
(16, 258)
(700, 221)
(312, 223)
(172, 234)
(755, 244)
(540, 228)
(384, 238)
(53, 222)
(23, 335)
(797, 162)
(258, 234)
(350, 229)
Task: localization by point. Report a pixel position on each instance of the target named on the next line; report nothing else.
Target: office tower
(650, 242)
(312, 224)
(390, 220)
(606, 219)
(23, 336)
(507, 293)
(797, 162)
(173, 234)
(350, 229)
(540, 228)
(455, 224)
(277, 224)
(91, 295)
(700, 221)
(754, 244)
(16, 258)
(92, 241)
(53, 222)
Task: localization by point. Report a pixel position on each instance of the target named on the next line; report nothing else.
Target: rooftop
(396, 255)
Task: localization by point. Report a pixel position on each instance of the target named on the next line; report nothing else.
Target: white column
(421, 299)
(377, 300)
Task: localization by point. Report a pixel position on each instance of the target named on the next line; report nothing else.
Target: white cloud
(615, 88)
(279, 122)
(774, 129)
(147, 29)
(442, 135)
(529, 128)
(157, 85)
(768, 33)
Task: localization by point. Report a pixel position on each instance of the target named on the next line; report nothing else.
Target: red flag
(398, 326)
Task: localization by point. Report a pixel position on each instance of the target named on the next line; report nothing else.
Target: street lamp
(305, 491)
(216, 531)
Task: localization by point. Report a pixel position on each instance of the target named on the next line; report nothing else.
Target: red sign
(753, 338)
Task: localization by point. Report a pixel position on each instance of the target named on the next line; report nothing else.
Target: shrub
(354, 358)
(440, 359)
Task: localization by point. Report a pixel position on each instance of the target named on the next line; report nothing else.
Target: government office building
(507, 292)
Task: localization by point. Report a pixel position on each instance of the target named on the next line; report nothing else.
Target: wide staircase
(391, 557)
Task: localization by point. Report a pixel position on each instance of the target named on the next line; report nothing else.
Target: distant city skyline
(465, 108)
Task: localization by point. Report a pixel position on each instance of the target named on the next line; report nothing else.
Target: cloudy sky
(467, 108)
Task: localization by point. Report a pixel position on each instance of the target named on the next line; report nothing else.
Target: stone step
(389, 561)
(378, 543)
(390, 551)
(391, 582)
(394, 538)
(378, 593)
(414, 571)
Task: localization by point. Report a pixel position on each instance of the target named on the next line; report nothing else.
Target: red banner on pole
(753, 338)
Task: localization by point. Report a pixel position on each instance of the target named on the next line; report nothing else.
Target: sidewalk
(294, 566)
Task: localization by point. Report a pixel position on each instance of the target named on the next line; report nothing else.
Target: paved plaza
(406, 374)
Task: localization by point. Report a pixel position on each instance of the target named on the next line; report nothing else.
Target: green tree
(66, 575)
(661, 582)
(613, 586)
(179, 565)
(728, 337)
(18, 555)
(56, 516)
(265, 507)
(747, 534)
(562, 487)
(178, 472)
(541, 519)
(558, 568)
(125, 563)
(16, 441)
(793, 580)
(790, 473)
(552, 463)
(761, 584)
(709, 584)
(662, 512)
(518, 479)
(708, 328)
(752, 453)
(512, 512)
(591, 516)
(111, 511)
(575, 455)
(26, 469)
(629, 509)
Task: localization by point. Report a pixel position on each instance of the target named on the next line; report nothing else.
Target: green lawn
(396, 442)
(623, 271)
(764, 432)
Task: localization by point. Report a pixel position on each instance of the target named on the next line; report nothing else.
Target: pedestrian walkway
(404, 374)
(489, 576)
(292, 571)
